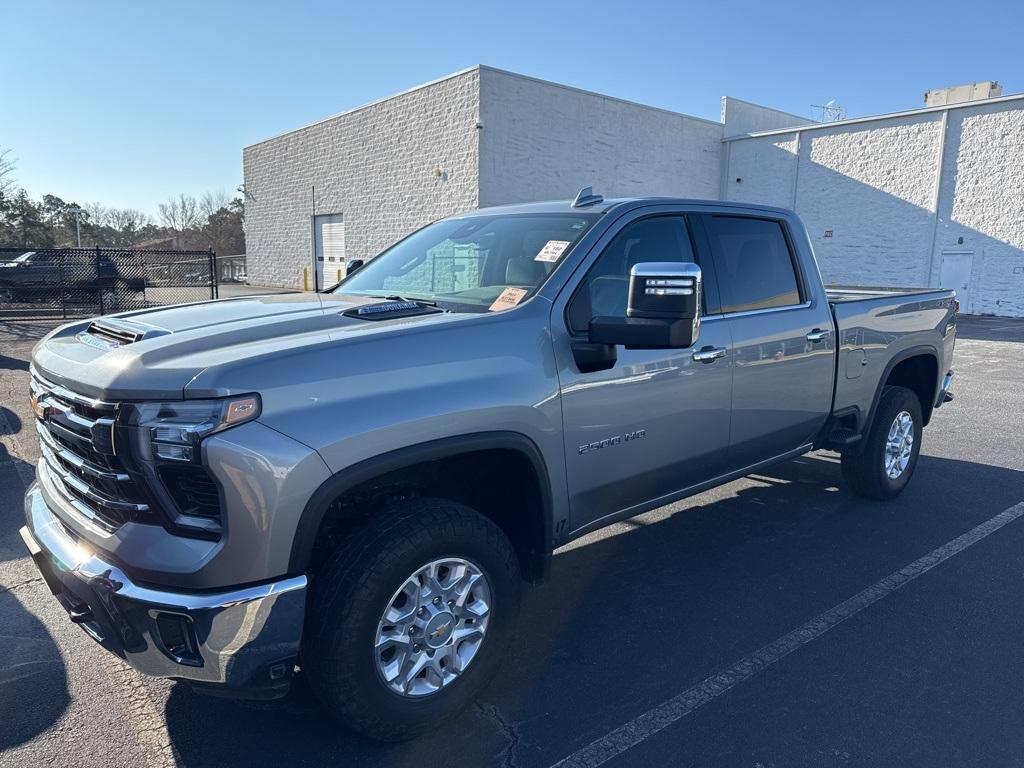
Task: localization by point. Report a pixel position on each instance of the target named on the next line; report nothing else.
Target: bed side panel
(874, 333)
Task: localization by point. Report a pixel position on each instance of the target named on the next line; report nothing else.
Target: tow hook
(80, 613)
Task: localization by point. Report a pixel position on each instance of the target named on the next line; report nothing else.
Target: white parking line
(651, 722)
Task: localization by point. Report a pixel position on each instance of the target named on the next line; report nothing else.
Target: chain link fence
(81, 282)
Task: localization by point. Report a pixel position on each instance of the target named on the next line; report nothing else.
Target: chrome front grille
(77, 443)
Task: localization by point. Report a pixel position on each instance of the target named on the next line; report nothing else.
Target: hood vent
(389, 310)
(109, 333)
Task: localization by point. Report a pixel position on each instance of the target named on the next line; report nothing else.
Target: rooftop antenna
(831, 112)
(586, 197)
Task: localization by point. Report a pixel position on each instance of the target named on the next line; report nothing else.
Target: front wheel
(409, 618)
(892, 444)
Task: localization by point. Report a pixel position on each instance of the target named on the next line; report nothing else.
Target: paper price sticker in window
(508, 299)
(552, 250)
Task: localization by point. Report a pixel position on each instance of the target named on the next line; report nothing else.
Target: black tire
(351, 591)
(864, 473)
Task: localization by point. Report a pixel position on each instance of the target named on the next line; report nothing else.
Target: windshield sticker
(552, 251)
(508, 299)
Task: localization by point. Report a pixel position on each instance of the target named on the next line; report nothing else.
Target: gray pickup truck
(356, 483)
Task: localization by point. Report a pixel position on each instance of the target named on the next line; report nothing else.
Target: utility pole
(77, 213)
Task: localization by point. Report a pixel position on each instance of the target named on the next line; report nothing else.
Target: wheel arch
(902, 370)
(533, 541)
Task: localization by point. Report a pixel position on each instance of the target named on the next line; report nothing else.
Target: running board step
(843, 437)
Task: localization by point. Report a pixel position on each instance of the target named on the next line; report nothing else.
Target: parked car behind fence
(71, 282)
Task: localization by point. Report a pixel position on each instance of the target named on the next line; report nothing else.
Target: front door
(655, 421)
(956, 275)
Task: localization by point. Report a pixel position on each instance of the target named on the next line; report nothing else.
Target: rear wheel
(409, 618)
(892, 444)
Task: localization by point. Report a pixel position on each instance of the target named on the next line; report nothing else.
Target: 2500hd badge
(609, 441)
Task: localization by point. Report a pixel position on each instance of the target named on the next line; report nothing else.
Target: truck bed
(878, 327)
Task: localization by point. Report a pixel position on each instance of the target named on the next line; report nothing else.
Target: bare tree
(97, 214)
(211, 202)
(127, 219)
(7, 165)
(180, 213)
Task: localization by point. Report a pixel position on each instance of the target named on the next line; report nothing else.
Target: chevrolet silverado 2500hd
(355, 483)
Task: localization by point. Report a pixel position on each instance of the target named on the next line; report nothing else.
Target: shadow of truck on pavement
(637, 614)
(33, 681)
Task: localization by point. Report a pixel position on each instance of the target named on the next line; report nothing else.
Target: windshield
(21, 259)
(474, 263)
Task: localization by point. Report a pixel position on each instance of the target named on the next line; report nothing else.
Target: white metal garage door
(329, 238)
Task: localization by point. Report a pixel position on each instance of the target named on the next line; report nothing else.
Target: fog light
(173, 452)
(178, 638)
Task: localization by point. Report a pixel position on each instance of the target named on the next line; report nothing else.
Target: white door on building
(329, 249)
(956, 274)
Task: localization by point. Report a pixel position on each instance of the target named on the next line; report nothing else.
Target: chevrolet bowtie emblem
(440, 630)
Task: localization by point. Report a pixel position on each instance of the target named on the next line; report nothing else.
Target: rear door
(782, 338)
(654, 421)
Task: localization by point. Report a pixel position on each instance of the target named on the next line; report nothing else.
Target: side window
(754, 265)
(605, 289)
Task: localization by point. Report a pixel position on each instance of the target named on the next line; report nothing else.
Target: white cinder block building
(927, 197)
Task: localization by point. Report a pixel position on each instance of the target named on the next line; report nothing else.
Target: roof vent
(586, 197)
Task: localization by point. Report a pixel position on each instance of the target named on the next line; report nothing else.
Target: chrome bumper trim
(245, 638)
(945, 391)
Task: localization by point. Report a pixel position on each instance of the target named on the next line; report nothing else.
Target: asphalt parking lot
(775, 621)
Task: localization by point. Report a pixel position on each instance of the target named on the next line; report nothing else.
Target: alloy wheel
(899, 445)
(433, 626)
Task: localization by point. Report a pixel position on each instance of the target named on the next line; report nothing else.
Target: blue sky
(128, 103)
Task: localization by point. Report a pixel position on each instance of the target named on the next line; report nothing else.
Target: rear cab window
(754, 262)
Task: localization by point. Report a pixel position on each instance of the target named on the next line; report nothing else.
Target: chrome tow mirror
(663, 310)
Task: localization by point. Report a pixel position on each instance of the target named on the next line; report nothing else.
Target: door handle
(818, 335)
(708, 354)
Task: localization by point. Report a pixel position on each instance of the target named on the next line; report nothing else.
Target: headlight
(176, 428)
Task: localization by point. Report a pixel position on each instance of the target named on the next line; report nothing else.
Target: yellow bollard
(305, 278)
(339, 277)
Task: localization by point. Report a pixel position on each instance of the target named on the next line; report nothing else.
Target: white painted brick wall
(762, 170)
(374, 165)
(542, 141)
(982, 203)
(739, 117)
(873, 185)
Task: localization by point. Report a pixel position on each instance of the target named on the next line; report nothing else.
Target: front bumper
(242, 642)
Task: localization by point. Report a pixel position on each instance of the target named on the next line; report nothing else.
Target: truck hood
(174, 352)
